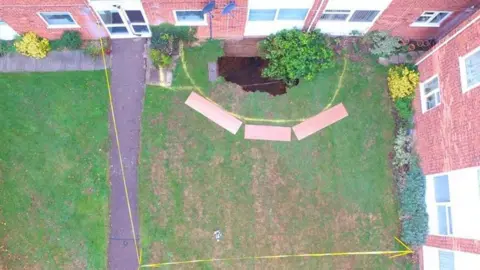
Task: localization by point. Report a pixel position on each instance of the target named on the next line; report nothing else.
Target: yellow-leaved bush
(402, 81)
(32, 45)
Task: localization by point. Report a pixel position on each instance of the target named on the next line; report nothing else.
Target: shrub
(402, 147)
(294, 54)
(70, 40)
(165, 37)
(160, 59)
(32, 45)
(412, 206)
(94, 47)
(402, 81)
(383, 44)
(404, 108)
(6, 46)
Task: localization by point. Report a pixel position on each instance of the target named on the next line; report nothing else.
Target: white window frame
(277, 11)
(56, 26)
(199, 23)
(448, 204)
(428, 23)
(424, 96)
(336, 11)
(463, 71)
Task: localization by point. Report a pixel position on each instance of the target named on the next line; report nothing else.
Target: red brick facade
(400, 14)
(224, 26)
(314, 14)
(454, 243)
(448, 136)
(22, 16)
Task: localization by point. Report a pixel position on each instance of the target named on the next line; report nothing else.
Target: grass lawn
(331, 192)
(53, 171)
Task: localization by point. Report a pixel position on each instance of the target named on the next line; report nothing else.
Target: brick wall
(448, 136)
(401, 13)
(311, 19)
(22, 16)
(224, 26)
(454, 243)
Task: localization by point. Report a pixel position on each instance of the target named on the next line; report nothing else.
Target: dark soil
(247, 72)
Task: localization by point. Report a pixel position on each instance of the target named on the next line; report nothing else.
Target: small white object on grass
(218, 235)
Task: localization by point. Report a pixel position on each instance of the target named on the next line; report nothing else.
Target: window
(364, 15)
(290, 14)
(470, 70)
(446, 260)
(335, 15)
(431, 18)
(58, 19)
(262, 14)
(190, 17)
(444, 210)
(430, 93)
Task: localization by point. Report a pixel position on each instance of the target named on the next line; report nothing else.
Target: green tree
(293, 54)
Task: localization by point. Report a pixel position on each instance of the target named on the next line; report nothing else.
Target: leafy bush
(94, 47)
(402, 147)
(402, 81)
(383, 44)
(160, 59)
(6, 46)
(70, 40)
(32, 45)
(165, 37)
(413, 208)
(294, 54)
(404, 108)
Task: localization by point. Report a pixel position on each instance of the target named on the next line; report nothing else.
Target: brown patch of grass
(160, 188)
(157, 120)
(157, 252)
(229, 95)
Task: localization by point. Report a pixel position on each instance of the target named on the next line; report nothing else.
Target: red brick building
(447, 118)
(447, 134)
(250, 18)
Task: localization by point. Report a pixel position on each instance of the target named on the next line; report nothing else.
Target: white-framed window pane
(431, 85)
(423, 19)
(442, 188)
(140, 28)
(292, 14)
(262, 14)
(446, 260)
(364, 15)
(431, 102)
(190, 16)
(58, 18)
(334, 17)
(110, 17)
(440, 17)
(118, 30)
(444, 216)
(135, 16)
(472, 69)
(432, 18)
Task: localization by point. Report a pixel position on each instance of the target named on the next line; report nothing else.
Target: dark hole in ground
(247, 72)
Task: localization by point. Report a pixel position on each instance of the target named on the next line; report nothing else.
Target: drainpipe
(316, 15)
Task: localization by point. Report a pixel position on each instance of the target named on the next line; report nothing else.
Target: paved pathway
(55, 61)
(128, 88)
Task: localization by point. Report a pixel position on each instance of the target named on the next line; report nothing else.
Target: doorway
(122, 19)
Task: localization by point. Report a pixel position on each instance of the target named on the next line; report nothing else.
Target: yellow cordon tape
(253, 119)
(316, 255)
(119, 153)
